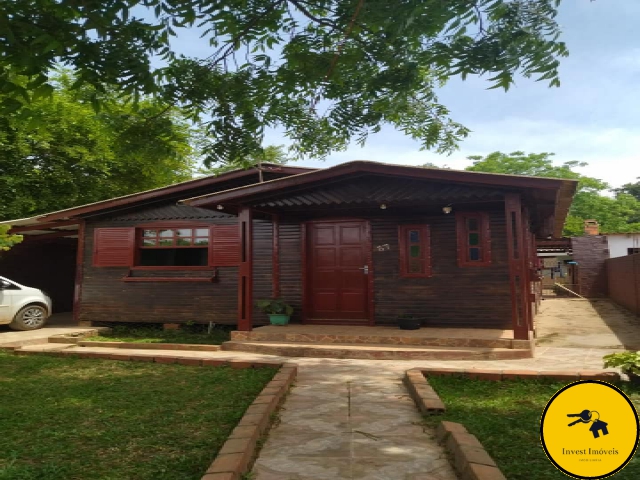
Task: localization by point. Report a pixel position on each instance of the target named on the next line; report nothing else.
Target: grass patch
(76, 419)
(192, 334)
(505, 416)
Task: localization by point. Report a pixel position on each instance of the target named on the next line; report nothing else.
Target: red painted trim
(172, 224)
(370, 279)
(516, 262)
(359, 167)
(425, 246)
(245, 270)
(170, 190)
(168, 279)
(275, 272)
(77, 293)
(484, 229)
(158, 267)
(304, 238)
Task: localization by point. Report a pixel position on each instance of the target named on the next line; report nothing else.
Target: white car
(23, 308)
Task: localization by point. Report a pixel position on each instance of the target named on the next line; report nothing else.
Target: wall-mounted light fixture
(447, 210)
(220, 207)
(383, 206)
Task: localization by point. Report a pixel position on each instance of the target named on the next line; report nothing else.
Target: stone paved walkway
(350, 422)
(353, 419)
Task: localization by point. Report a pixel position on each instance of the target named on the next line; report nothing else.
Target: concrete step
(374, 352)
(395, 338)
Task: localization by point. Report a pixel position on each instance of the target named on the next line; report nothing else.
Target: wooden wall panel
(291, 265)
(453, 296)
(105, 297)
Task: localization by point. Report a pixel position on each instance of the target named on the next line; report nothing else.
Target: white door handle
(366, 269)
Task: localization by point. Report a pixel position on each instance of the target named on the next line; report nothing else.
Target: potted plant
(279, 312)
(629, 363)
(407, 321)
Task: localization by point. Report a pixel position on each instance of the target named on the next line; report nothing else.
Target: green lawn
(80, 419)
(505, 416)
(194, 334)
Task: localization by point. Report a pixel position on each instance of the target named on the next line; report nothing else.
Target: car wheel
(30, 317)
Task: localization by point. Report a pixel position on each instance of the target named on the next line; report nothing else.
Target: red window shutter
(225, 246)
(113, 247)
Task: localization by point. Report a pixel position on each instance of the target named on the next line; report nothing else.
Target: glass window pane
(165, 242)
(166, 233)
(202, 232)
(149, 233)
(148, 242)
(414, 251)
(474, 254)
(202, 241)
(472, 224)
(183, 232)
(414, 236)
(183, 242)
(474, 239)
(415, 265)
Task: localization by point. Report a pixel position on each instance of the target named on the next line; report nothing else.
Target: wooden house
(356, 244)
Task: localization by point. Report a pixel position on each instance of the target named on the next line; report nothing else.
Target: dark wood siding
(291, 265)
(452, 296)
(107, 298)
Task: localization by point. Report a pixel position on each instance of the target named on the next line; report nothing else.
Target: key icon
(587, 416)
(584, 417)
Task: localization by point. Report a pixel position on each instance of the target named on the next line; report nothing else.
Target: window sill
(169, 279)
(208, 279)
(165, 268)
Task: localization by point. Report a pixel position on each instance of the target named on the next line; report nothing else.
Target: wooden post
(77, 293)
(245, 271)
(517, 275)
(275, 272)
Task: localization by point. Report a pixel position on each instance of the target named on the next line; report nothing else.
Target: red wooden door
(338, 255)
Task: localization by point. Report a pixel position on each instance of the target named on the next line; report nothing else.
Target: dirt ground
(578, 323)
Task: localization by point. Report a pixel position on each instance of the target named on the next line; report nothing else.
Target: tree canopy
(65, 154)
(8, 240)
(325, 72)
(274, 154)
(617, 214)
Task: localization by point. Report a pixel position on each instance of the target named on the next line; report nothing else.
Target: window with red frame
(474, 243)
(415, 250)
(173, 247)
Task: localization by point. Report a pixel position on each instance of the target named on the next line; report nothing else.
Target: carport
(46, 258)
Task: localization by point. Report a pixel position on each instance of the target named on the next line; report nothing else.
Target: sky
(592, 117)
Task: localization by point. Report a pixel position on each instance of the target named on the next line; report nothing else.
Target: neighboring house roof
(553, 193)
(67, 220)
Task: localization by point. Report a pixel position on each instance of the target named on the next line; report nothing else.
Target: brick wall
(623, 275)
(591, 253)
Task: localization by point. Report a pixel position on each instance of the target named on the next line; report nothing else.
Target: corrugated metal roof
(377, 189)
(170, 212)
